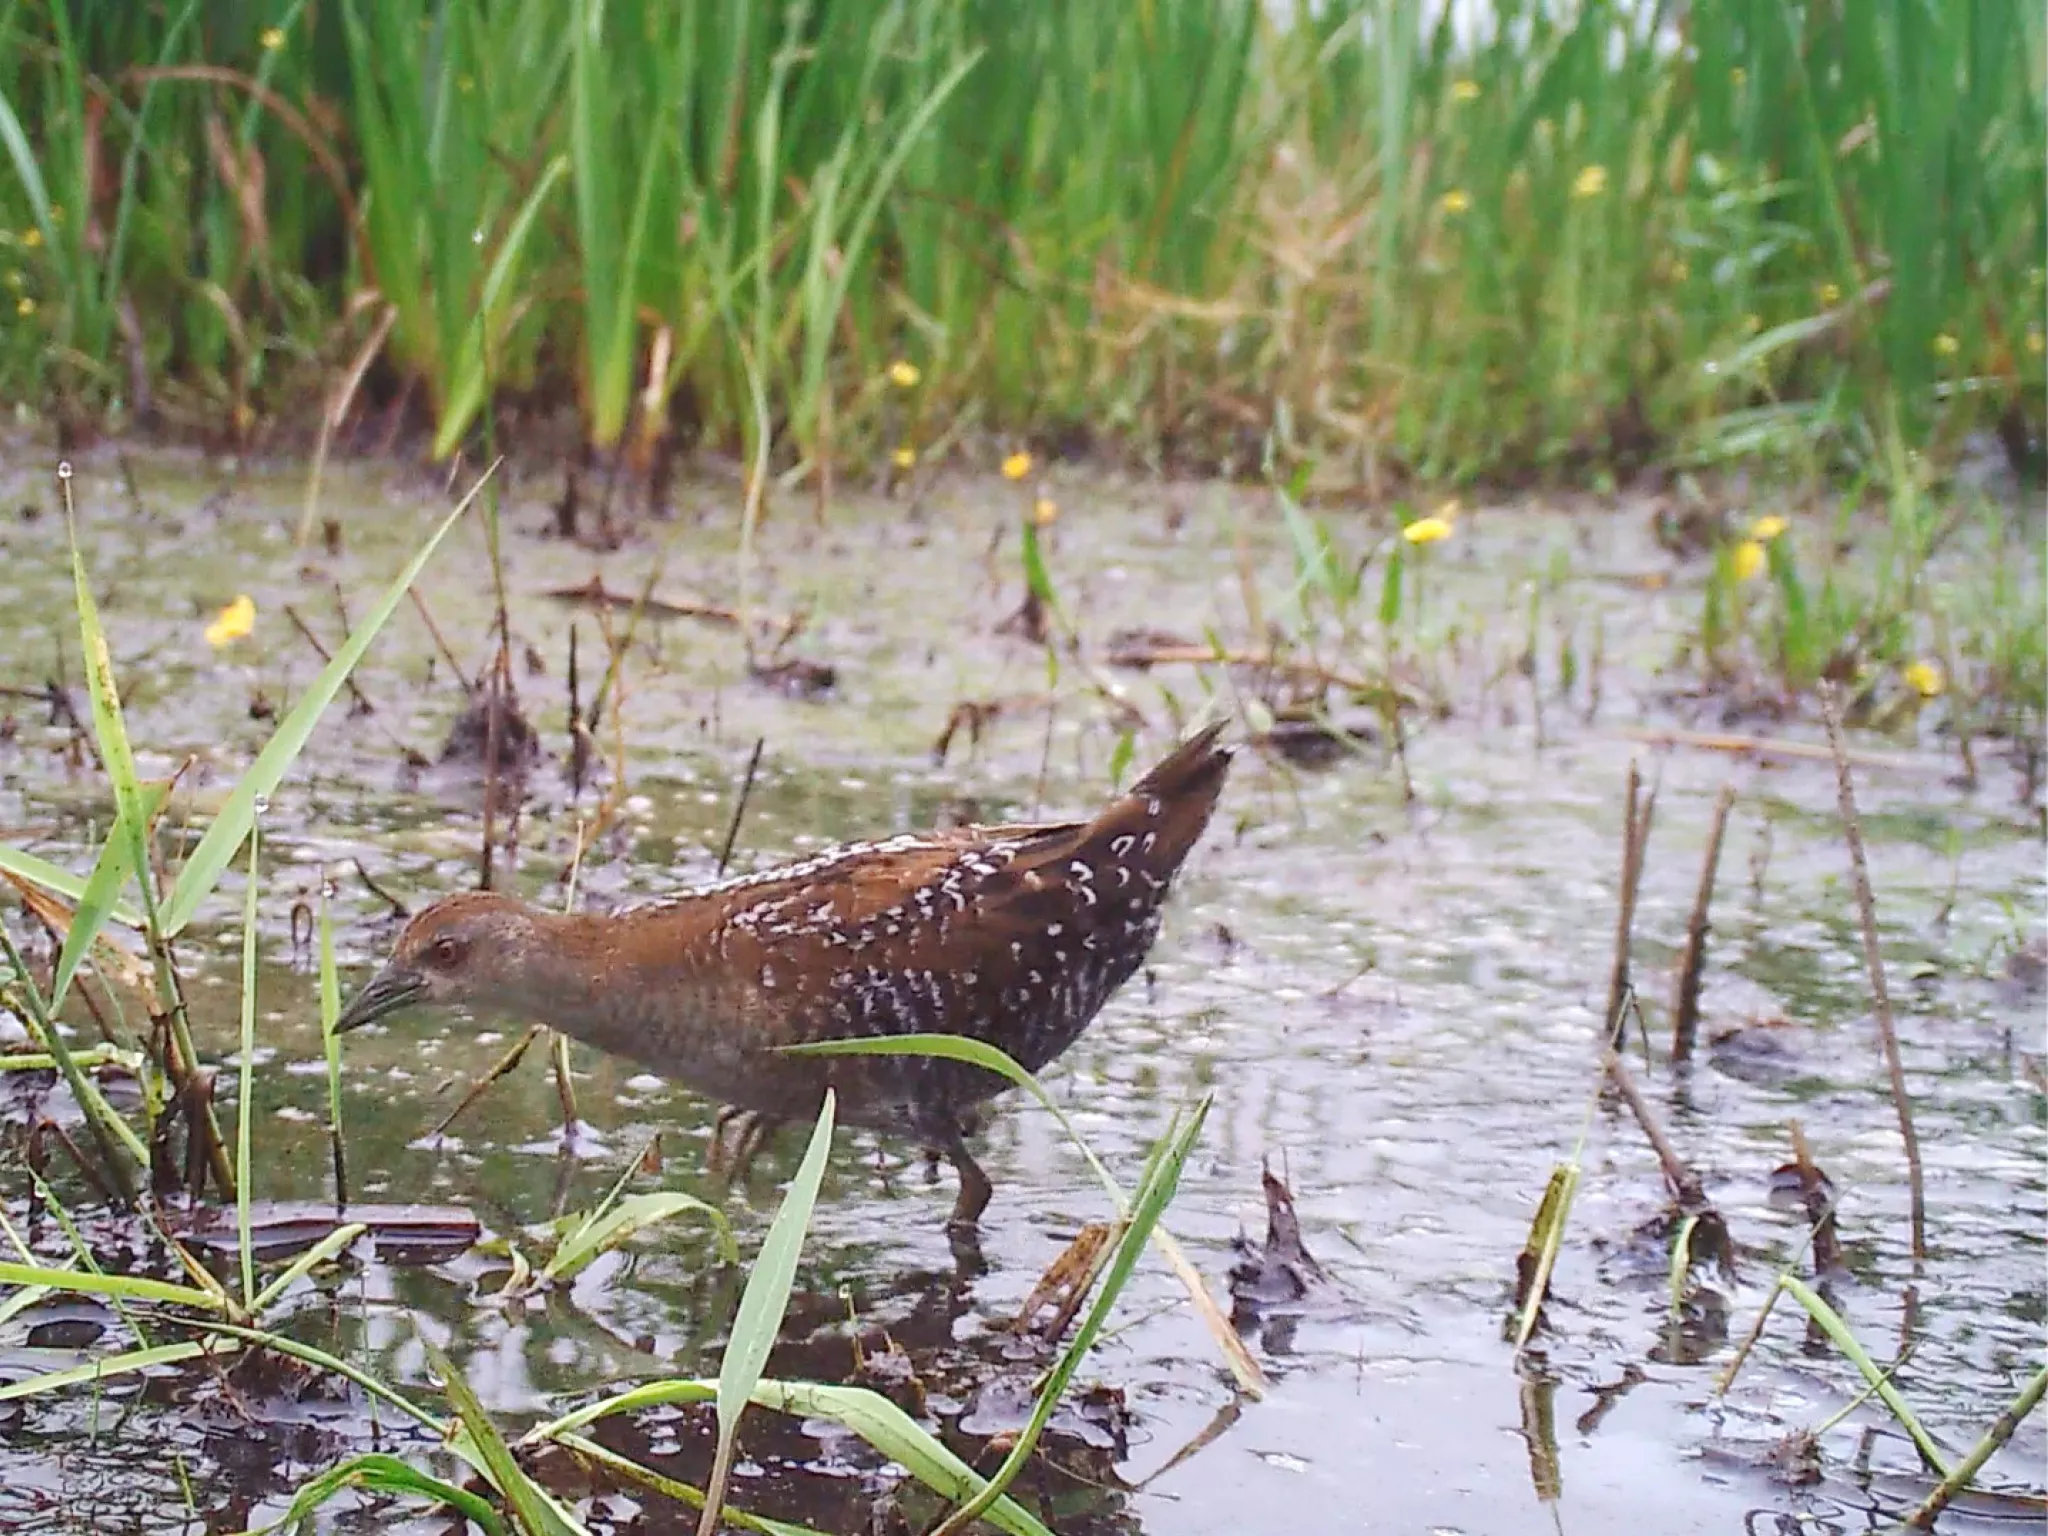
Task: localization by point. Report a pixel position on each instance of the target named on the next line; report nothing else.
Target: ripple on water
(1396, 1006)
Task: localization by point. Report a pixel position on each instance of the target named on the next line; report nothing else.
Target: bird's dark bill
(387, 992)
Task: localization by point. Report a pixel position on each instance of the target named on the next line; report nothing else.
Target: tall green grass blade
(976, 1053)
(612, 107)
(313, 1355)
(91, 1056)
(1680, 1267)
(110, 872)
(330, 1045)
(903, 1440)
(1965, 1471)
(245, 1106)
(759, 1319)
(476, 365)
(202, 870)
(118, 758)
(29, 170)
(109, 729)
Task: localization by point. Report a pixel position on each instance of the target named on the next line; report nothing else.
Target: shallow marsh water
(1397, 1005)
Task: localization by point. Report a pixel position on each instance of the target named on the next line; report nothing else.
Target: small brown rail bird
(1014, 935)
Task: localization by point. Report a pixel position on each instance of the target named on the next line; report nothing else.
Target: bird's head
(472, 949)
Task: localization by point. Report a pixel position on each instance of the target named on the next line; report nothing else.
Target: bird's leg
(737, 1136)
(944, 1133)
(717, 1153)
(969, 1264)
(975, 1189)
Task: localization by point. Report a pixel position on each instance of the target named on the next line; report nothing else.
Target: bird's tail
(1166, 811)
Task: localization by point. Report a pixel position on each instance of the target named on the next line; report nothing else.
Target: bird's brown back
(1015, 935)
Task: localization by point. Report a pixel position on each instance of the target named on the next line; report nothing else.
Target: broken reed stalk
(500, 695)
(1539, 1431)
(1866, 906)
(1400, 735)
(1966, 1470)
(1684, 1184)
(565, 1089)
(494, 720)
(1820, 1218)
(363, 704)
(1685, 1002)
(579, 733)
(499, 1068)
(739, 806)
(1819, 1205)
(1635, 836)
(440, 641)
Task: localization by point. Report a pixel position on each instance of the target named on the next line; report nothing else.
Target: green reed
(1574, 235)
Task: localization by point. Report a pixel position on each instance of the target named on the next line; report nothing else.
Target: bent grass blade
(479, 1443)
(606, 1227)
(1251, 1379)
(1155, 1193)
(877, 1420)
(378, 1473)
(126, 1363)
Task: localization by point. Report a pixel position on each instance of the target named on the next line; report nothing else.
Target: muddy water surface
(1394, 1004)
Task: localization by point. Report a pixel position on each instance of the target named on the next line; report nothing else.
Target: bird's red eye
(446, 951)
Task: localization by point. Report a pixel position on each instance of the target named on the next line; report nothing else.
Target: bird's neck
(637, 984)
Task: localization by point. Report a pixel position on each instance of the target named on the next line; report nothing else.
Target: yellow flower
(1465, 90)
(1924, 678)
(24, 305)
(31, 237)
(904, 457)
(1455, 201)
(273, 38)
(1765, 529)
(1830, 295)
(904, 375)
(1750, 560)
(232, 622)
(1591, 182)
(1044, 510)
(1017, 465)
(1946, 345)
(1427, 530)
